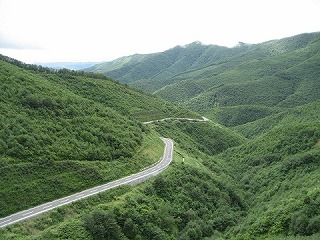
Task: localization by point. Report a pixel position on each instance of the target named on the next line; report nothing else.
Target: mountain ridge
(210, 54)
(203, 78)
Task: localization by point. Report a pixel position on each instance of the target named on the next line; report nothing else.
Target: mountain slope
(279, 171)
(187, 196)
(194, 61)
(62, 131)
(285, 80)
(281, 73)
(306, 113)
(265, 188)
(161, 67)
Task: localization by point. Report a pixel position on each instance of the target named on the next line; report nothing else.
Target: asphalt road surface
(204, 119)
(132, 179)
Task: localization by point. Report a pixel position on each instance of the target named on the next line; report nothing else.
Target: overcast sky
(98, 30)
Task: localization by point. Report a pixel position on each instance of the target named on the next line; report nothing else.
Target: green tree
(102, 225)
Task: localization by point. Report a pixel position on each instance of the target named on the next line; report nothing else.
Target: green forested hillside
(288, 79)
(61, 132)
(219, 186)
(216, 80)
(187, 201)
(154, 71)
(207, 137)
(280, 173)
(308, 113)
(257, 177)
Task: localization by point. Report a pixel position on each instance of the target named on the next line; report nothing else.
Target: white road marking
(47, 206)
(8, 220)
(27, 213)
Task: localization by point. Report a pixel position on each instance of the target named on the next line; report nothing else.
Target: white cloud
(96, 30)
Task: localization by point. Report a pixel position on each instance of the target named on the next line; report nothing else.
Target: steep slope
(62, 131)
(279, 171)
(154, 71)
(291, 79)
(280, 79)
(254, 89)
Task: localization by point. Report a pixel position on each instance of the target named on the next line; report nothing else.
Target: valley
(247, 169)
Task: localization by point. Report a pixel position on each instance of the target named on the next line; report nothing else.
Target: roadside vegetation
(187, 200)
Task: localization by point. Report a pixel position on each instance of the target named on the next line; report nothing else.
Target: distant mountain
(152, 71)
(68, 65)
(207, 78)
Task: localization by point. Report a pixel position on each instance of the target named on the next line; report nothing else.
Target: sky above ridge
(37, 31)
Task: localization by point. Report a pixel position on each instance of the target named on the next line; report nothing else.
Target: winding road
(132, 179)
(204, 119)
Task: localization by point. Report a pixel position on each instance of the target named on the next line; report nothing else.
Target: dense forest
(251, 172)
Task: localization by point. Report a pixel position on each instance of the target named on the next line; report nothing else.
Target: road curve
(204, 119)
(132, 179)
